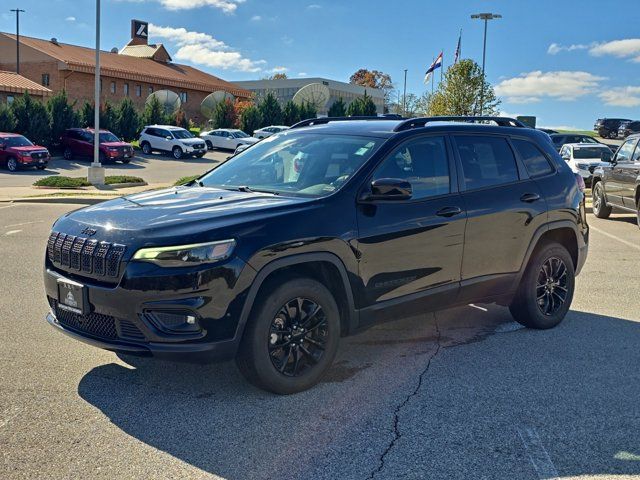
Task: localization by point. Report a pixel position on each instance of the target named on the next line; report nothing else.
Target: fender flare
(288, 261)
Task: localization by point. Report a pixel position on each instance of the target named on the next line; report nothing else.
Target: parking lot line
(538, 455)
(12, 232)
(607, 234)
(24, 223)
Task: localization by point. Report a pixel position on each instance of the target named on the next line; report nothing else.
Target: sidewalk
(85, 195)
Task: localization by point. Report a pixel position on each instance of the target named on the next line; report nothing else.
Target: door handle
(449, 211)
(530, 197)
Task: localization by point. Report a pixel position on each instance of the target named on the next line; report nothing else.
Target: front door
(621, 168)
(629, 179)
(412, 249)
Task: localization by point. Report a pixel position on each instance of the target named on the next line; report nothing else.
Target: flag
(437, 63)
(457, 54)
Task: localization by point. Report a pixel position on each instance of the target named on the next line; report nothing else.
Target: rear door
(504, 206)
(629, 178)
(85, 143)
(621, 169)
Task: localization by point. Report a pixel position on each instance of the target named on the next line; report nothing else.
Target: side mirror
(389, 189)
(169, 137)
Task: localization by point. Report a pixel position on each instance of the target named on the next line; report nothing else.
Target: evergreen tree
(86, 115)
(362, 106)
(7, 119)
(270, 110)
(154, 113)
(250, 119)
(32, 119)
(224, 115)
(290, 113)
(108, 118)
(338, 109)
(128, 120)
(63, 116)
(308, 110)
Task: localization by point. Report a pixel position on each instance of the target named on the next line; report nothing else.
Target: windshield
(295, 163)
(239, 134)
(17, 142)
(603, 154)
(108, 137)
(181, 134)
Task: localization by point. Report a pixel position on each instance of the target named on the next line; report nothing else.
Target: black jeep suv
(608, 127)
(617, 184)
(318, 232)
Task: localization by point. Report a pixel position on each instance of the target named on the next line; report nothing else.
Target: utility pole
(18, 11)
(486, 17)
(95, 174)
(404, 95)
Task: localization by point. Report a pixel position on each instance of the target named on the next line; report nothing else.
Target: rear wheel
(292, 337)
(67, 154)
(546, 289)
(613, 134)
(41, 167)
(12, 164)
(600, 207)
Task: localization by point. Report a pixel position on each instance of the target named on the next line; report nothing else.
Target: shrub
(338, 109)
(250, 119)
(181, 119)
(270, 110)
(63, 116)
(185, 180)
(7, 119)
(62, 182)
(128, 120)
(113, 179)
(32, 119)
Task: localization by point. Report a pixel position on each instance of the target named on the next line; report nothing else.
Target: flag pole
(432, 75)
(442, 66)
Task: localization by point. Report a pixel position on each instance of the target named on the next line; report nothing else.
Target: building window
(150, 90)
(10, 99)
(113, 87)
(138, 91)
(126, 89)
(45, 79)
(183, 97)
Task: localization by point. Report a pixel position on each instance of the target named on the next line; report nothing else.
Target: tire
(638, 212)
(546, 290)
(613, 134)
(177, 153)
(103, 158)
(146, 148)
(209, 145)
(41, 167)
(299, 363)
(12, 164)
(126, 160)
(200, 155)
(67, 154)
(600, 207)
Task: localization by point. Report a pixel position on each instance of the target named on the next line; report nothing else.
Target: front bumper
(120, 317)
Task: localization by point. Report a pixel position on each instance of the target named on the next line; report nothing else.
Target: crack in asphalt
(396, 414)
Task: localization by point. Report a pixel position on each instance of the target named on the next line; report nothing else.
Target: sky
(566, 62)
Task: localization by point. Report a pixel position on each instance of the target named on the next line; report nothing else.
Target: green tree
(181, 120)
(62, 114)
(224, 115)
(7, 119)
(362, 106)
(338, 109)
(250, 119)
(86, 115)
(374, 79)
(459, 92)
(153, 112)
(270, 110)
(308, 110)
(128, 120)
(32, 119)
(108, 118)
(290, 113)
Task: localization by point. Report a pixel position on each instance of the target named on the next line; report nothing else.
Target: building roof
(155, 52)
(82, 59)
(301, 82)
(14, 83)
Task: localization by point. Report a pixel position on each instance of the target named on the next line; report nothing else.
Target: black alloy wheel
(551, 286)
(297, 336)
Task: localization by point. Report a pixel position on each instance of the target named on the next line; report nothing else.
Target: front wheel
(126, 160)
(146, 148)
(600, 207)
(613, 134)
(67, 154)
(292, 337)
(546, 289)
(177, 153)
(12, 165)
(209, 145)
(200, 155)
(41, 167)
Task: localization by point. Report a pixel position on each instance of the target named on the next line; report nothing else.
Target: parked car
(560, 139)
(18, 152)
(226, 138)
(320, 232)
(267, 131)
(169, 139)
(608, 127)
(547, 130)
(583, 158)
(78, 142)
(628, 128)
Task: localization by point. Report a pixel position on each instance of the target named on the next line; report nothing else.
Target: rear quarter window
(534, 160)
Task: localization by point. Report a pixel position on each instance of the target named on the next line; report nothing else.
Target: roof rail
(322, 121)
(422, 121)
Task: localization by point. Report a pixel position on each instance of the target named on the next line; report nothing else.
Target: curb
(59, 200)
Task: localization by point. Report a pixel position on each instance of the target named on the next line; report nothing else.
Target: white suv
(227, 138)
(167, 138)
(584, 157)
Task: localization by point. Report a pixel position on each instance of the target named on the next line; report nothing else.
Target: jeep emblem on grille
(89, 231)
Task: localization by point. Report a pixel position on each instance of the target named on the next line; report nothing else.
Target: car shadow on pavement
(459, 386)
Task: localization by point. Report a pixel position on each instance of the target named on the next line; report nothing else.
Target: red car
(78, 142)
(17, 151)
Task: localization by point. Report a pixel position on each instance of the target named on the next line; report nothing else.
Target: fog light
(191, 320)
(174, 322)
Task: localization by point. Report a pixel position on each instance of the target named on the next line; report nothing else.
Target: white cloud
(279, 70)
(70, 19)
(556, 48)
(302, 74)
(561, 85)
(227, 6)
(314, 6)
(256, 18)
(627, 48)
(628, 96)
(203, 49)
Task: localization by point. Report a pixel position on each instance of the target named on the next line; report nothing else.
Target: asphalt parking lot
(156, 168)
(463, 393)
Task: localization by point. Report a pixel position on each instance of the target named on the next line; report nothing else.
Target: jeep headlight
(187, 255)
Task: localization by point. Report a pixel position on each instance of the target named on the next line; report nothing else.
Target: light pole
(486, 17)
(18, 11)
(404, 94)
(95, 173)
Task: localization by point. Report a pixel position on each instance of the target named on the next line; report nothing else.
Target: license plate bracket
(73, 296)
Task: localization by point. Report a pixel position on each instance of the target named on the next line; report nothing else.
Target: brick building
(12, 84)
(135, 71)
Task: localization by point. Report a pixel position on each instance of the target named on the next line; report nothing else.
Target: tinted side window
(558, 141)
(624, 152)
(423, 163)
(151, 131)
(486, 161)
(534, 160)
